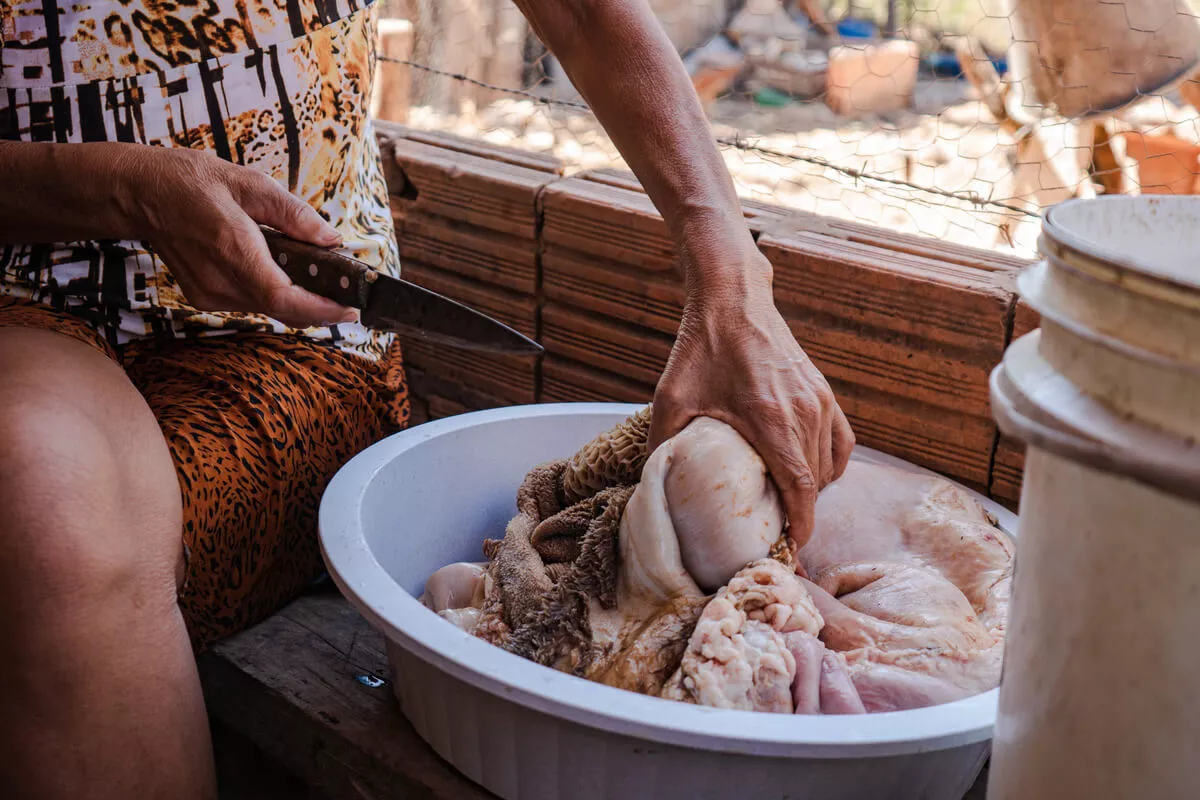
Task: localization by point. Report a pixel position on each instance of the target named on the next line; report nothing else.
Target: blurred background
(920, 116)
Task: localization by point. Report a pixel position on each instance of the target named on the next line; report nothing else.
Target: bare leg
(98, 683)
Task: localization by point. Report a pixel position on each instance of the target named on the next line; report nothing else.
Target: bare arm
(734, 359)
(62, 193)
(621, 60)
(199, 212)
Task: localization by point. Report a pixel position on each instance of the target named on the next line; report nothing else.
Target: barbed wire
(738, 143)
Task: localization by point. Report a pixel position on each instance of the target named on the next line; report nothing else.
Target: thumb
(667, 418)
(270, 204)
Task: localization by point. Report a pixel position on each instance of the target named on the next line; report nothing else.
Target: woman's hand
(201, 215)
(736, 361)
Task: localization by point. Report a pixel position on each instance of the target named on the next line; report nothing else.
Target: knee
(72, 532)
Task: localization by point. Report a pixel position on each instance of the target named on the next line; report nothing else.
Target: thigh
(257, 426)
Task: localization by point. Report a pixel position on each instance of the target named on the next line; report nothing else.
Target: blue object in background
(857, 29)
(946, 65)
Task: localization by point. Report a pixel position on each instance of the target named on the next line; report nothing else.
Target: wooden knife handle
(320, 271)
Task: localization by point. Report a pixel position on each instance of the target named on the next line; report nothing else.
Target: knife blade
(391, 304)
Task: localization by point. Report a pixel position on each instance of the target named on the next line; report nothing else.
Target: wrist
(727, 278)
(128, 168)
(722, 263)
(122, 177)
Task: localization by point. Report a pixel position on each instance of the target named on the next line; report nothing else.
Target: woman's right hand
(201, 214)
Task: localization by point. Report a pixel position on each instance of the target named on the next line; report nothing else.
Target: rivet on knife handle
(320, 271)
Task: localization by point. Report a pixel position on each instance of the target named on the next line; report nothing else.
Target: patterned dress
(281, 86)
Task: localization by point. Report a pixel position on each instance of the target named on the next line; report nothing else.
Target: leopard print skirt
(257, 425)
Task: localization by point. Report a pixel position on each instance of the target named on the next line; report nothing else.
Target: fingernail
(330, 236)
(350, 316)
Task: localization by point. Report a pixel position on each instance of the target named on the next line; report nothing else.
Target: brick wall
(906, 329)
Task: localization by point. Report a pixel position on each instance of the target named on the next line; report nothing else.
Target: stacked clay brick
(467, 224)
(1009, 463)
(906, 329)
(613, 288)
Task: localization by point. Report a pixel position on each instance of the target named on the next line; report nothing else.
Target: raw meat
(913, 580)
(740, 655)
(669, 575)
(709, 489)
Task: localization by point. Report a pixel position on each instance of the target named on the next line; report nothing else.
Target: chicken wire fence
(956, 119)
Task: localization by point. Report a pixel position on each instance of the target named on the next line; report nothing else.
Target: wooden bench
(302, 709)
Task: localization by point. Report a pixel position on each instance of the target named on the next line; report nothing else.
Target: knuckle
(805, 484)
(826, 398)
(773, 408)
(256, 189)
(254, 179)
(848, 435)
(808, 412)
(270, 299)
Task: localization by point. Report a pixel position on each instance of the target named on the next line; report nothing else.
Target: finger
(270, 204)
(272, 292)
(825, 448)
(842, 443)
(780, 448)
(811, 425)
(299, 308)
(800, 500)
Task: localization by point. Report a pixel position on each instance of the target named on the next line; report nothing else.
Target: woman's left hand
(735, 360)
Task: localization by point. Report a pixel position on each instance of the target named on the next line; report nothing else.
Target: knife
(391, 304)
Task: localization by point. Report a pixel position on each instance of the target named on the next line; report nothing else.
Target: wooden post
(481, 39)
(1105, 168)
(391, 96)
(506, 66)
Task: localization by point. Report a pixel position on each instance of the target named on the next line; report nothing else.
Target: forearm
(65, 192)
(619, 58)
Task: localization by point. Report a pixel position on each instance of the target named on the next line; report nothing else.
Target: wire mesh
(956, 119)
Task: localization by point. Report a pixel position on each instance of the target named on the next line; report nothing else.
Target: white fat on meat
(704, 509)
(900, 601)
(906, 605)
(740, 655)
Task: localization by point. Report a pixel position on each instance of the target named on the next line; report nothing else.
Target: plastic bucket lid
(1072, 297)
(1119, 297)
(1038, 405)
(1147, 245)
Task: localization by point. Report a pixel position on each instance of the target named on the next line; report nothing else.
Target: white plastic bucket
(1101, 696)
(1119, 292)
(429, 496)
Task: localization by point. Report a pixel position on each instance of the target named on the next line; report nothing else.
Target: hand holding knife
(391, 304)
